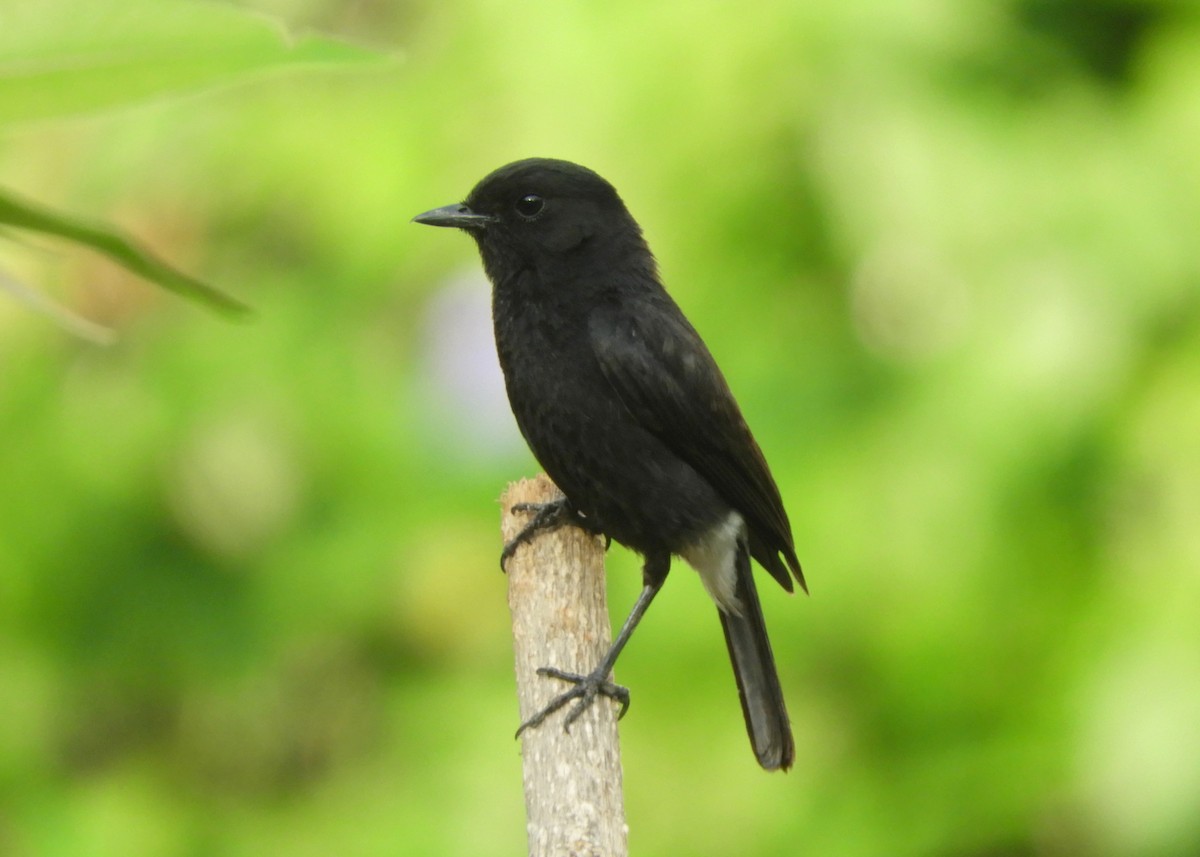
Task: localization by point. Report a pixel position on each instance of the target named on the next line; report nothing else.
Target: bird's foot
(584, 693)
(546, 517)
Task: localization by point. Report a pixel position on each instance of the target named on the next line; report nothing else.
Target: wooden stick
(573, 798)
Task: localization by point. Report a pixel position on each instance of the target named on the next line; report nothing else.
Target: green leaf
(26, 215)
(64, 57)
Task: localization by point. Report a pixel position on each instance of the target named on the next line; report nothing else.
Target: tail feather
(757, 679)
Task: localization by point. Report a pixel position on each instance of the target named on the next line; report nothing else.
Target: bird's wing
(667, 379)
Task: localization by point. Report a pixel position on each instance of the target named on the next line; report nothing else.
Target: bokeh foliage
(945, 252)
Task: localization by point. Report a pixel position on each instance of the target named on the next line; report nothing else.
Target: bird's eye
(530, 206)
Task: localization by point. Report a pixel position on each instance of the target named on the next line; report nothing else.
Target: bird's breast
(612, 468)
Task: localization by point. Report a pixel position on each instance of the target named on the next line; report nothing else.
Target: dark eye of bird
(530, 205)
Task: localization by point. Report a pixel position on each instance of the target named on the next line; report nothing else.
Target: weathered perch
(573, 798)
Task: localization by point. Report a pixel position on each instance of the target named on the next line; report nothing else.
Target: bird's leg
(596, 683)
(546, 517)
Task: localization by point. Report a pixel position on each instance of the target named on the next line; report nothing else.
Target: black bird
(623, 405)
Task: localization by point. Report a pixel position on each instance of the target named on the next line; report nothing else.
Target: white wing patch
(714, 556)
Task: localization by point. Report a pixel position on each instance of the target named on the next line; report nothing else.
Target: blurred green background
(946, 252)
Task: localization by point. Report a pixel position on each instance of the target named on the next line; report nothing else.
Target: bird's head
(536, 211)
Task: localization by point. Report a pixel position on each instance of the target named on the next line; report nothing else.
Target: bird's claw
(585, 691)
(546, 516)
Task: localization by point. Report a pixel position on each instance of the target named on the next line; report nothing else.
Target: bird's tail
(757, 680)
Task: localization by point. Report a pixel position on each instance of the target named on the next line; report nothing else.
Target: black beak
(454, 215)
